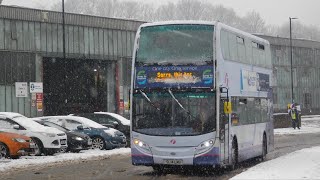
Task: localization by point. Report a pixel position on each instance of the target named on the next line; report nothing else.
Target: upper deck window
(177, 43)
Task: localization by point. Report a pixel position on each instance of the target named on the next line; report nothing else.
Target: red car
(15, 145)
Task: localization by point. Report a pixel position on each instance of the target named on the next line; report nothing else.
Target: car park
(109, 119)
(15, 145)
(76, 141)
(47, 140)
(102, 137)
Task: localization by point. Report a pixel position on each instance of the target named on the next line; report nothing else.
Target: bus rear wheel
(264, 148)
(234, 155)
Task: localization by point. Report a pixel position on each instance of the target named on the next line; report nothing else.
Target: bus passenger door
(224, 125)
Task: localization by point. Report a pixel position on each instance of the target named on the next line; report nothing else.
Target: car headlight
(49, 134)
(204, 147)
(19, 140)
(142, 146)
(77, 138)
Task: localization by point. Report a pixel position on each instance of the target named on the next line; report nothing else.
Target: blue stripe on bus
(210, 158)
(139, 158)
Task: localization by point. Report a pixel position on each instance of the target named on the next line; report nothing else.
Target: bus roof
(215, 23)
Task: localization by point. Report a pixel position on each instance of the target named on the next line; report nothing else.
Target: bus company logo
(173, 141)
(141, 77)
(207, 76)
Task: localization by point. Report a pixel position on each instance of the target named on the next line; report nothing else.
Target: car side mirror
(80, 128)
(16, 126)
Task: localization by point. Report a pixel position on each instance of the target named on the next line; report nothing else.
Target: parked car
(102, 137)
(109, 119)
(76, 141)
(48, 140)
(15, 145)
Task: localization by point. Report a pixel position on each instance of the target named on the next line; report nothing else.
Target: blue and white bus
(200, 95)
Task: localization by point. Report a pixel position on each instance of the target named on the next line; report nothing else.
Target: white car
(48, 140)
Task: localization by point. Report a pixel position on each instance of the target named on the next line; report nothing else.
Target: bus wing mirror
(227, 107)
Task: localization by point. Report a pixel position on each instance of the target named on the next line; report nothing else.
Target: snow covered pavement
(302, 164)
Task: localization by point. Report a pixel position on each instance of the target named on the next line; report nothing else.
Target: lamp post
(63, 32)
(64, 53)
(292, 94)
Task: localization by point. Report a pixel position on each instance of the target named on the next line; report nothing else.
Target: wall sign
(21, 89)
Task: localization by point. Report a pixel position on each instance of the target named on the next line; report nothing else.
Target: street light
(64, 52)
(63, 32)
(292, 95)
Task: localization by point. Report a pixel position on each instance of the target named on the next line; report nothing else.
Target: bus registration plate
(173, 161)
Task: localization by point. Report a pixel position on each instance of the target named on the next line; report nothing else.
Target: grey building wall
(27, 36)
(306, 73)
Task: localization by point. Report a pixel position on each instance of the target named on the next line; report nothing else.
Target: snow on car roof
(24, 121)
(123, 120)
(82, 120)
(11, 115)
(85, 121)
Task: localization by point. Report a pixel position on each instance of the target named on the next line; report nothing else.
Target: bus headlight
(142, 146)
(204, 147)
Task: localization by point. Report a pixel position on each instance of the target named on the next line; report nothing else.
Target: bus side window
(243, 101)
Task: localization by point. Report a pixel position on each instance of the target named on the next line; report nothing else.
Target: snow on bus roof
(215, 23)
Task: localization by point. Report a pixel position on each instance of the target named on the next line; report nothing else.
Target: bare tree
(254, 23)
(186, 10)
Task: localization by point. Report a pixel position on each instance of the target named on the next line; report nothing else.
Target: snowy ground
(302, 164)
(26, 161)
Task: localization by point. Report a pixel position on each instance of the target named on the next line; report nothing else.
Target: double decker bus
(200, 95)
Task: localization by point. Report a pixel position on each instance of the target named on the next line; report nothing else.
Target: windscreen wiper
(148, 99)
(172, 95)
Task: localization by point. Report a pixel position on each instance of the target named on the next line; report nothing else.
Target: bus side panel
(245, 139)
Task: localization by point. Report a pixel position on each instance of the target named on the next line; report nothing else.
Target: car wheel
(98, 143)
(38, 150)
(4, 151)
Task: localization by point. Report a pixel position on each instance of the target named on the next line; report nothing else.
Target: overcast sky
(275, 12)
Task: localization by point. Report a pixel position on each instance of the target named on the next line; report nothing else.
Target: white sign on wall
(36, 87)
(21, 89)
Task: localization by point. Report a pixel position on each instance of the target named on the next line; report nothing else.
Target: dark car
(76, 141)
(110, 120)
(102, 137)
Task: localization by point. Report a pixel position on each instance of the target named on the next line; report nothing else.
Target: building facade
(95, 73)
(306, 73)
(93, 76)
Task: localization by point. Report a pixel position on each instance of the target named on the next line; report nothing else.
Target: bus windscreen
(169, 113)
